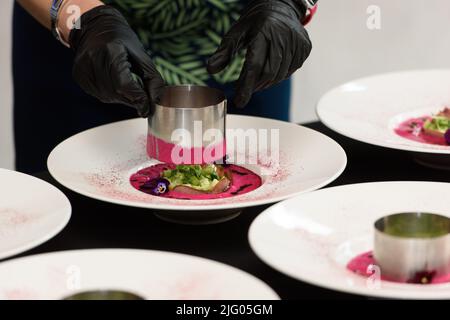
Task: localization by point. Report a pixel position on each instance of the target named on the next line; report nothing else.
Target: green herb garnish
(437, 123)
(199, 177)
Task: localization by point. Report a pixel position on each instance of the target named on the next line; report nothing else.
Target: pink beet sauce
(243, 181)
(360, 265)
(162, 151)
(412, 129)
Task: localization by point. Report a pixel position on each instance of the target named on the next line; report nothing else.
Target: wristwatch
(54, 12)
(311, 9)
(310, 3)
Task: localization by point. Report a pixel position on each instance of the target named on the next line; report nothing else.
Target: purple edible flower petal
(156, 186)
(447, 136)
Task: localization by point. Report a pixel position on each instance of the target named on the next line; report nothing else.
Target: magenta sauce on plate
(412, 129)
(242, 181)
(361, 266)
(162, 151)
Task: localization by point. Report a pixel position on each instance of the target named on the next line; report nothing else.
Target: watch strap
(310, 12)
(310, 3)
(54, 13)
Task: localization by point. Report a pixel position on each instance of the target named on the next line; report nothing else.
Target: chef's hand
(108, 55)
(277, 45)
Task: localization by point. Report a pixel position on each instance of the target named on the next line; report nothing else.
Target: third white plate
(312, 237)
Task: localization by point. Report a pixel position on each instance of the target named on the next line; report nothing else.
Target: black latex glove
(108, 55)
(277, 45)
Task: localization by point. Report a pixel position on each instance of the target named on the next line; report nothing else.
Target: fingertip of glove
(142, 106)
(213, 65)
(218, 61)
(153, 85)
(143, 111)
(240, 101)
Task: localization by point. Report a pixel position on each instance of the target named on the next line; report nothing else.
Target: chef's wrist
(70, 12)
(309, 15)
(301, 8)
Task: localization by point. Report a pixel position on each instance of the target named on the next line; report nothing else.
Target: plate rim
(204, 207)
(136, 251)
(411, 148)
(41, 240)
(411, 294)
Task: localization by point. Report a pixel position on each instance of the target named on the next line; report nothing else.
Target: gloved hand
(108, 55)
(277, 45)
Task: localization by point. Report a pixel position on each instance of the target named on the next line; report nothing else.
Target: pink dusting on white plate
(11, 221)
(108, 184)
(10, 217)
(191, 287)
(19, 294)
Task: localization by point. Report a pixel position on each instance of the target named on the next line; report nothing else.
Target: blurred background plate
(32, 211)
(370, 109)
(148, 274)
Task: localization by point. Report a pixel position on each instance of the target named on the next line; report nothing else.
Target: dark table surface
(96, 224)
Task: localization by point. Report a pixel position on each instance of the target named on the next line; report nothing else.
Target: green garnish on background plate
(199, 177)
(437, 123)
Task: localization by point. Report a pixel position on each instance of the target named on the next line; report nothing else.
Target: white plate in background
(370, 109)
(312, 237)
(146, 273)
(32, 211)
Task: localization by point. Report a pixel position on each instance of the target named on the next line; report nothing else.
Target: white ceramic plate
(312, 237)
(31, 212)
(370, 109)
(99, 162)
(149, 274)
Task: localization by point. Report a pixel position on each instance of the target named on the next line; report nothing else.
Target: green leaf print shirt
(182, 34)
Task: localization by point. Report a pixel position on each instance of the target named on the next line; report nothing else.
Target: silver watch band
(54, 12)
(310, 3)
